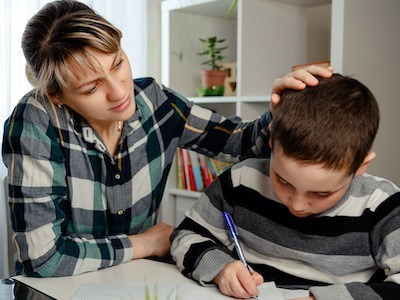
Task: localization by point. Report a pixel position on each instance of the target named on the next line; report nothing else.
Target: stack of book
(196, 171)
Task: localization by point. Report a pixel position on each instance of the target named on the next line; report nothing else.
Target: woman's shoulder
(34, 109)
(34, 101)
(151, 94)
(144, 83)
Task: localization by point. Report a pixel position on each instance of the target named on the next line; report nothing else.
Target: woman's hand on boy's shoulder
(297, 80)
(235, 280)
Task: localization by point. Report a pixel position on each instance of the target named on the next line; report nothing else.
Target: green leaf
(231, 8)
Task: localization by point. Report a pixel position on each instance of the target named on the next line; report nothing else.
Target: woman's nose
(116, 89)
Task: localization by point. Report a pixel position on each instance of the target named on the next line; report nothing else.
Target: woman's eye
(92, 90)
(119, 63)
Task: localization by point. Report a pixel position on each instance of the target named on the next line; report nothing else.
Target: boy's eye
(281, 181)
(321, 195)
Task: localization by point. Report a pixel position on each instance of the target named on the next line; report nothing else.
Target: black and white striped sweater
(351, 251)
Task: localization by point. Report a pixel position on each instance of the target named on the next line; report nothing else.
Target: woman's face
(105, 96)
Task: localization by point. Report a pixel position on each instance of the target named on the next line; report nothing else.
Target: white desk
(137, 270)
(141, 270)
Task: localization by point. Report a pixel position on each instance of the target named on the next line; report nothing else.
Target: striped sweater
(351, 251)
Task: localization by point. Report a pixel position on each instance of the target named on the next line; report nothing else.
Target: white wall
(319, 33)
(370, 53)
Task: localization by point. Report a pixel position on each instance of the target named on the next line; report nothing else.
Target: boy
(309, 216)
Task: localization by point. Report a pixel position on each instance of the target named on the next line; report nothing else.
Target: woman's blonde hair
(58, 36)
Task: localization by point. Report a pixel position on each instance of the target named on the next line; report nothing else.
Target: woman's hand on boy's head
(235, 280)
(297, 80)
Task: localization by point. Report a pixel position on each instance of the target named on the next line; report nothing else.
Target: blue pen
(234, 235)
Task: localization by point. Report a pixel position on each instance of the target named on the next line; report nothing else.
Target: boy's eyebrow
(318, 192)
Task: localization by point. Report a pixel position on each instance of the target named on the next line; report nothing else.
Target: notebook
(172, 291)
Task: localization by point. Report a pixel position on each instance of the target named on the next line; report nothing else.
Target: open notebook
(172, 291)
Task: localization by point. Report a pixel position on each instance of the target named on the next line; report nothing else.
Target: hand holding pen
(230, 276)
(230, 225)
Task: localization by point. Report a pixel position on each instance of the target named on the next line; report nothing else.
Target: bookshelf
(265, 38)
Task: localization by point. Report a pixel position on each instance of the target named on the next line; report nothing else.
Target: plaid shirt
(73, 205)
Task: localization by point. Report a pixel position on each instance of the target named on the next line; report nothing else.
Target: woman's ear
(54, 98)
(363, 167)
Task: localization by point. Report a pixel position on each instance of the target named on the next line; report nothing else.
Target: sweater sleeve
(39, 204)
(200, 245)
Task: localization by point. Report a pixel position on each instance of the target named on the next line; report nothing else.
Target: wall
(319, 33)
(370, 53)
(154, 39)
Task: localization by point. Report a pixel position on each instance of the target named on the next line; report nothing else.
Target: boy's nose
(299, 203)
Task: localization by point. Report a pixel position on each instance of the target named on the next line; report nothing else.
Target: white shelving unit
(264, 37)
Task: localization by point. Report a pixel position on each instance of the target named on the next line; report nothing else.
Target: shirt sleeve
(39, 205)
(224, 138)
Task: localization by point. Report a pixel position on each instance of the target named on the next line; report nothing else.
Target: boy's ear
(270, 144)
(363, 167)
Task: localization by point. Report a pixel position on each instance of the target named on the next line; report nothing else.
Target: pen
(234, 235)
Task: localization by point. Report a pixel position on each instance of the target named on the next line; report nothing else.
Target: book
(196, 169)
(207, 177)
(181, 181)
(171, 291)
(188, 170)
(220, 166)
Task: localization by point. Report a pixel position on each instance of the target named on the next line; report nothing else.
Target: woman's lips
(124, 105)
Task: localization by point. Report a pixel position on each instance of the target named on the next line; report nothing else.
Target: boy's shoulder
(368, 184)
(258, 164)
(366, 192)
(253, 173)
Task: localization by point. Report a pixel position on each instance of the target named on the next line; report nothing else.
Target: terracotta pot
(212, 78)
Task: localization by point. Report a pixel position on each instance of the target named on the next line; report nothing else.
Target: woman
(88, 151)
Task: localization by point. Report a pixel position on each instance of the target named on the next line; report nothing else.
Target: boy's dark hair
(333, 124)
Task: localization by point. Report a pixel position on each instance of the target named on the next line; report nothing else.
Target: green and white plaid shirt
(72, 204)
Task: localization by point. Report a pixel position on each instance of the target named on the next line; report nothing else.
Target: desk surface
(136, 270)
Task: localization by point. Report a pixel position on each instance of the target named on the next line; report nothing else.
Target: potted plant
(212, 80)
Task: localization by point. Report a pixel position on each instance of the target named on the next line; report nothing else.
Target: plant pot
(211, 78)
(212, 82)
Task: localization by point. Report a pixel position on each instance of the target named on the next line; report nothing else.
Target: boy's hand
(235, 280)
(297, 80)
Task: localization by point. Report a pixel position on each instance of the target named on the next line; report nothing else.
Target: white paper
(166, 291)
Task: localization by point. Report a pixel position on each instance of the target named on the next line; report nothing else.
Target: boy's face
(306, 189)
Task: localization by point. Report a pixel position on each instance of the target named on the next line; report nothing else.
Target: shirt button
(120, 212)
(117, 176)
